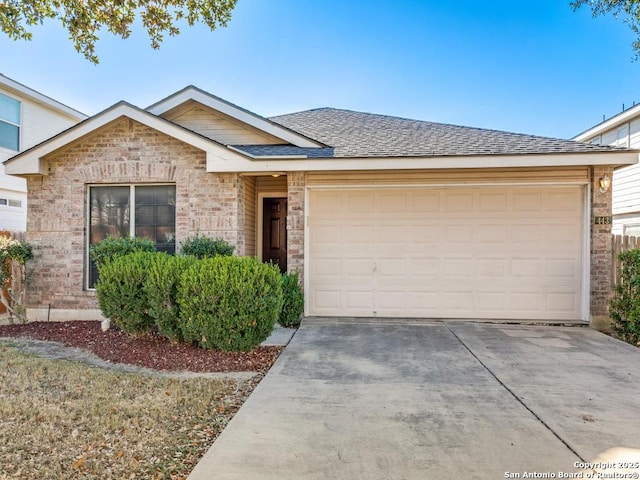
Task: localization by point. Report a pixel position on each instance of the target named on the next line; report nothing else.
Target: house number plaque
(602, 220)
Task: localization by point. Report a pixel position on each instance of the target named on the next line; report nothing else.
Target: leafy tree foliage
(84, 19)
(628, 10)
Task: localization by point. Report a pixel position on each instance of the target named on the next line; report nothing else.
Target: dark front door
(274, 232)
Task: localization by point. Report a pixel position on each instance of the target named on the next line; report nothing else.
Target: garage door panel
(328, 204)
(455, 201)
(526, 201)
(488, 269)
(563, 201)
(360, 204)
(528, 268)
(465, 252)
(424, 202)
(491, 233)
(423, 267)
(492, 203)
(561, 302)
(562, 269)
(392, 202)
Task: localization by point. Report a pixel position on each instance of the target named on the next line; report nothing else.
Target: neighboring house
(26, 119)
(383, 216)
(623, 130)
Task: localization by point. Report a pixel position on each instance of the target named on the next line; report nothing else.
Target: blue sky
(530, 67)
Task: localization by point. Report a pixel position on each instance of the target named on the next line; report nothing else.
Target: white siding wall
(626, 181)
(40, 123)
(13, 218)
(37, 123)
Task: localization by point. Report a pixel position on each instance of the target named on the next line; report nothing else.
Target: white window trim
(19, 125)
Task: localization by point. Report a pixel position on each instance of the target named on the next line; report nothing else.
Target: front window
(153, 216)
(9, 123)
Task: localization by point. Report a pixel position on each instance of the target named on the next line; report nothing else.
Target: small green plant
(229, 303)
(121, 293)
(161, 288)
(293, 301)
(111, 248)
(205, 247)
(14, 254)
(624, 307)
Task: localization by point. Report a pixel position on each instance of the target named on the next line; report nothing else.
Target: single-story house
(383, 216)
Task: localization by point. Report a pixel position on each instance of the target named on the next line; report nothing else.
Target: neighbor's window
(9, 123)
(147, 211)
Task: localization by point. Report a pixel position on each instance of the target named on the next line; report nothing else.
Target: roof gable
(23, 91)
(166, 107)
(217, 126)
(32, 161)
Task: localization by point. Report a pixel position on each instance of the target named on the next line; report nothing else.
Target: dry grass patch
(60, 419)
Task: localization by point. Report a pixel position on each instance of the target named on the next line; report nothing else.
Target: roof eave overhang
(613, 122)
(257, 165)
(34, 162)
(233, 111)
(26, 92)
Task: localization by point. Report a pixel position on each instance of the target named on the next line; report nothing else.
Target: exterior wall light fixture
(605, 184)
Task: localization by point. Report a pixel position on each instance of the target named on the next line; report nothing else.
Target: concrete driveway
(433, 400)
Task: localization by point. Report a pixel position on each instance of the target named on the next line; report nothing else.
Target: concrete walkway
(432, 400)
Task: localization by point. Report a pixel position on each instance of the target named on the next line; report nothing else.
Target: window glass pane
(109, 215)
(9, 135)
(156, 215)
(145, 215)
(166, 214)
(9, 109)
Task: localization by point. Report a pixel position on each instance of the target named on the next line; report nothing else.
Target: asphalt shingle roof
(358, 134)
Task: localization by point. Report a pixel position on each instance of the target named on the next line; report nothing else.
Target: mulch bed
(150, 350)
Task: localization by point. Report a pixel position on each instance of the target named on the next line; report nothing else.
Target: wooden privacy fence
(621, 243)
(17, 236)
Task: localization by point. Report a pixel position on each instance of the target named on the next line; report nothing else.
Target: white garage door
(473, 252)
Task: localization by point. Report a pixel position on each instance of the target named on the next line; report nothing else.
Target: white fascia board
(613, 122)
(247, 165)
(240, 114)
(32, 161)
(24, 91)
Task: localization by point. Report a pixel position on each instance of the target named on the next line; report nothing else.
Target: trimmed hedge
(229, 303)
(205, 247)
(161, 288)
(624, 307)
(293, 301)
(121, 293)
(111, 248)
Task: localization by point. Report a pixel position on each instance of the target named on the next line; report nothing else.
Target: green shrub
(229, 303)
(293, 301)
(111, 248)
(205, 247)
(161, 288)
(121, 293)
(624, 307)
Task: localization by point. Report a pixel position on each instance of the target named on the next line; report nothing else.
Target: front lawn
(60, 419)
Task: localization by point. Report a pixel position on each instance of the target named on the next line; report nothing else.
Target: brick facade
(216, 205)
(601, 252)
(123, 152)
(296, 182)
